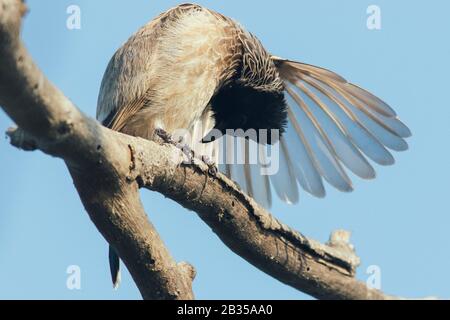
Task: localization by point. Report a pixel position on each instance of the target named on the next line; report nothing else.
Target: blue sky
(399, 221)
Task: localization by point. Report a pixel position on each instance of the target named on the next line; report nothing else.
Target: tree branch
(98, 160)
(108, 168)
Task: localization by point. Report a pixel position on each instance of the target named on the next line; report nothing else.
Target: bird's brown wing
(332, 124)
(118, 120)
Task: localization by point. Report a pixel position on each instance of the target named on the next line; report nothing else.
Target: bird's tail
(114, 265)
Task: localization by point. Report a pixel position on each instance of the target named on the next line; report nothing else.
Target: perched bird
(195, 69)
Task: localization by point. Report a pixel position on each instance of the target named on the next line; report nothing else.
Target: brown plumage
(192, 68)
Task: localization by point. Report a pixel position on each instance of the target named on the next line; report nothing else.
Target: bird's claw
(164, 135)
(190, 154)
(212, 168)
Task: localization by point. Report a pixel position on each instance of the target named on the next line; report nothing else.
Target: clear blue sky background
(400, 221)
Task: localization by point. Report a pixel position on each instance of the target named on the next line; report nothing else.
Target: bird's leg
(190, 154)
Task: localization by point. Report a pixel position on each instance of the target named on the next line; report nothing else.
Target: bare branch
(323, 271)
(108, 168)
(98, 160)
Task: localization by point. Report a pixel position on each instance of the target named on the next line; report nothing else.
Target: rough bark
(98, 159)
(108, 168)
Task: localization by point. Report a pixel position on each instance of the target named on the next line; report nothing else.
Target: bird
(194, 69)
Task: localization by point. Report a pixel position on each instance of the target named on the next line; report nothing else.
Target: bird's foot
(164, 135)
(190, 154)
(167, 138)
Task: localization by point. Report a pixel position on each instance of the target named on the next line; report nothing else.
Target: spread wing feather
(284, 181)
(332, 125)
(337, 123)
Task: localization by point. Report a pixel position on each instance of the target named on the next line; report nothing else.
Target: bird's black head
(244, 107)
